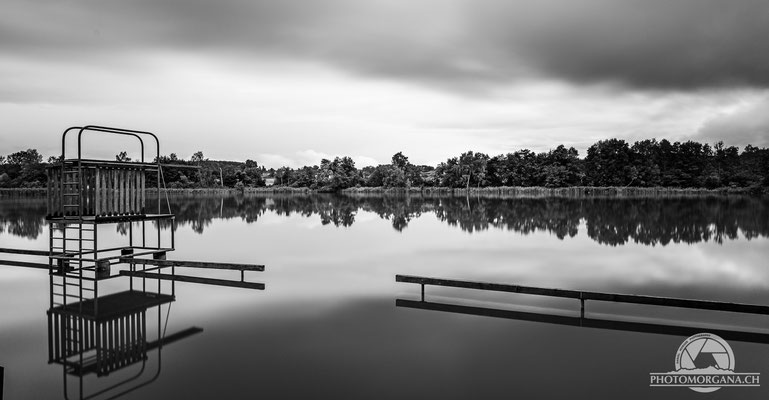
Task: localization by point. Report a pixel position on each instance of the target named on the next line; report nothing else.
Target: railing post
(423, 292)
(581, 306)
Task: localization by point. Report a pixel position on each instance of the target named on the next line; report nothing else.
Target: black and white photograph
(384, 199)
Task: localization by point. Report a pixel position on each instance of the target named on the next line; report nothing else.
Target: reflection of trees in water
(611, 221)
(24, 217)
(652, 221)
(525, 215)
(200, 211)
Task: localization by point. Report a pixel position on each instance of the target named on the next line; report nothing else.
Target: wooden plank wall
(105, 191)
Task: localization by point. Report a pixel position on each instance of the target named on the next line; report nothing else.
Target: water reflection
(610, 221)
(583, 318)
(24, 217)
(586, 322)
(116, 338)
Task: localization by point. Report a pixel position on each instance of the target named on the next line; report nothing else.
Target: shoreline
(516, 191)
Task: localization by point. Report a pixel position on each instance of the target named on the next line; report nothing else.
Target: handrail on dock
(583, 296)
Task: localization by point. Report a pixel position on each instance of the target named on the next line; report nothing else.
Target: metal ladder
(74, 279)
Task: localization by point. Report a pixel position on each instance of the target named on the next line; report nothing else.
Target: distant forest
(612, 162)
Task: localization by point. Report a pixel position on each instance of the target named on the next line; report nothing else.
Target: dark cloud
(658, 44)
(667, 44)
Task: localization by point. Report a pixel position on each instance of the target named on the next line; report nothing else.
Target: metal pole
(173, 233)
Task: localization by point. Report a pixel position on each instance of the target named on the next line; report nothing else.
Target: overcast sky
(287, 82)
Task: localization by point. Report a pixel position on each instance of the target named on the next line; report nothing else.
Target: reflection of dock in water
(581, 320)
(98, 331)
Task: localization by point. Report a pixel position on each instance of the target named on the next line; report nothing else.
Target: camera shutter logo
(704, 363)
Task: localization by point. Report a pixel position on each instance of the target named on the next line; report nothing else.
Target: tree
(25, 169)
(25, 157)
(123, 157)
(251, 174)
(449, 173)
(400, 161)
(473, 164)
(561, 167)
(284, 175)
(645, 159)
(608, 163)
(343, 173)
(197, 157)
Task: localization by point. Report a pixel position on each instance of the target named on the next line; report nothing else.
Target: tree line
(612, 162)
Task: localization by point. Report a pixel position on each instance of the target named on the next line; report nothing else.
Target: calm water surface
(327, 325)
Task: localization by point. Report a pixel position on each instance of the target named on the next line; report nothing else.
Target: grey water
(327, 325)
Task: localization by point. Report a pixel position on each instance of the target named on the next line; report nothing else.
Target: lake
(327, 325)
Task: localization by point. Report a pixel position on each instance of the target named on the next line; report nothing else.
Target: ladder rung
(71, 194)
(72, 205)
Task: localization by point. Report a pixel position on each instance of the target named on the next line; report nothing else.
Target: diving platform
(100, 329)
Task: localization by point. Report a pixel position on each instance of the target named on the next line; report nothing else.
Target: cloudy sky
(287, 82)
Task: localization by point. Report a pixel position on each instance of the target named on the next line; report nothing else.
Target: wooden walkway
(159, 264)
(584, 296)
(194, 279)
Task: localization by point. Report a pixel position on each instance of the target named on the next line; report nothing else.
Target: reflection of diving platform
(581, 320)
(110, 337)
(113, 305)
